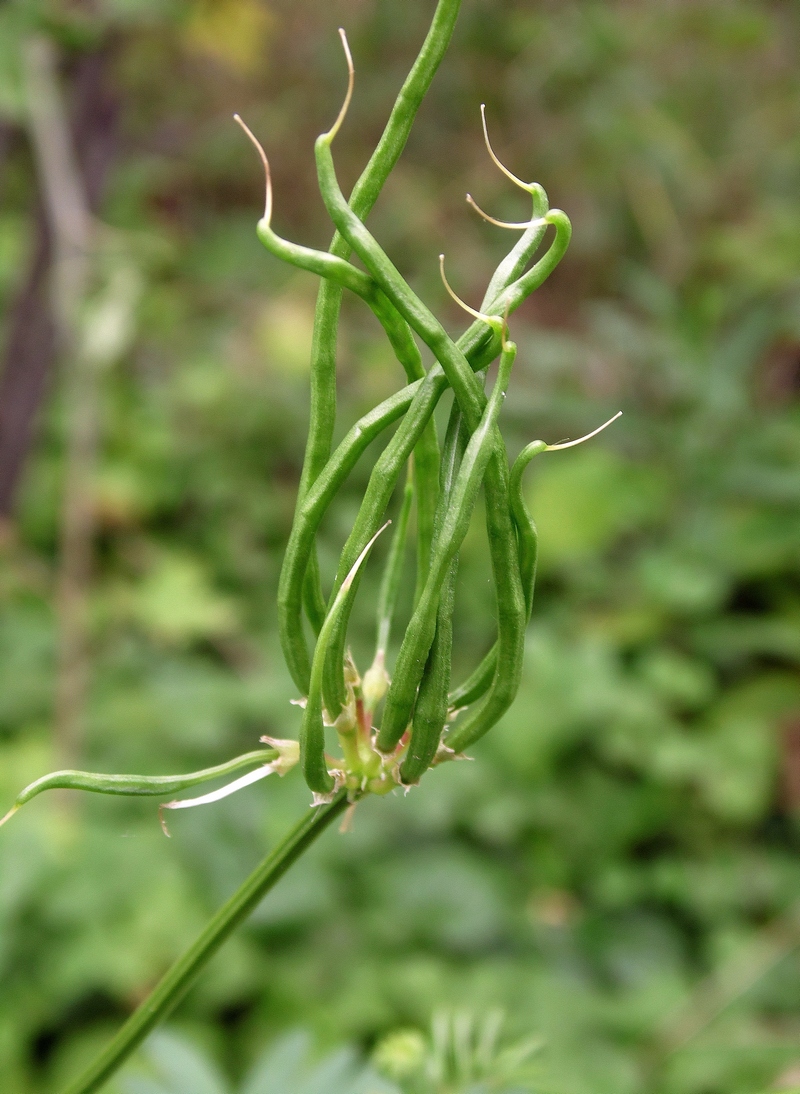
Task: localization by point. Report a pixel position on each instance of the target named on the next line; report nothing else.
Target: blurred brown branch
(30, 349)
(89, 335)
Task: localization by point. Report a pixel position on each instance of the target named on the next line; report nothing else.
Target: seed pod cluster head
(422, 721)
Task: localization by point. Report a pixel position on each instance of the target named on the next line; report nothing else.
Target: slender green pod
(312, 731)
(457, 369)
(502, 693)
(455, 522)
(365, 193)
(528, 282)
(480, 679)
(426, 484)
(136, 785)
(430, 710)
(334, 268)
(376, 679)
(309, 515)
(419, 318)
(380, 487)
(393, 571)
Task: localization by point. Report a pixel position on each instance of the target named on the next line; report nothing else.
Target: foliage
(461, 1056)
(618, 868)
(172, 1064)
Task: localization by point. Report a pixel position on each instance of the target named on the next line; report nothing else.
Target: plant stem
(174, 985)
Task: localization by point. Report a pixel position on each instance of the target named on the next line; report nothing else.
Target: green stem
(174, 985)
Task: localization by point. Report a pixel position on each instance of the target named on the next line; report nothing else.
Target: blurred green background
(618, 869)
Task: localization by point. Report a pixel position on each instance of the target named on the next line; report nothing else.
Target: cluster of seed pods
(424, 720)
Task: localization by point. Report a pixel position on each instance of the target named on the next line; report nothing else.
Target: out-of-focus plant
(424, 722)
(463, 1054)
(172, 1064)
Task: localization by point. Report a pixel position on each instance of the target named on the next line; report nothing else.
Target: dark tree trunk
(30, 351)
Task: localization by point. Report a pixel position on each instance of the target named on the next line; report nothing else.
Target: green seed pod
(502, 691)
(393, 572)
(426, 485)
(137, 785)
(480, 679)
(322, 416)
(309, 516)
(419, 634)
(312, 732)
(430, 710)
